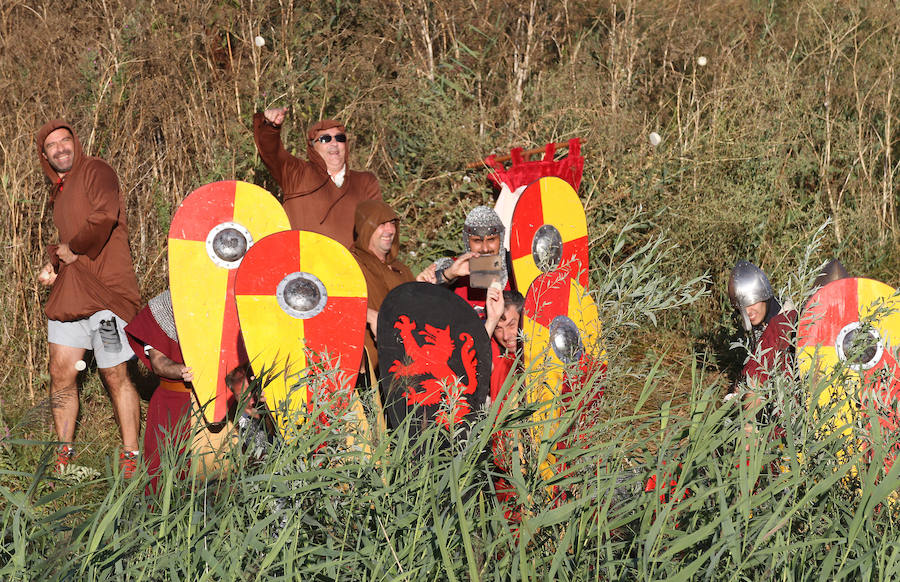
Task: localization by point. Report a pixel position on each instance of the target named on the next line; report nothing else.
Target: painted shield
(211, 231)
(849, 334)
(435, 356)
(562, 350)
(301, 298)
(549, 232)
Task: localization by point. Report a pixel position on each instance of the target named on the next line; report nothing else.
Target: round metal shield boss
(860, 347)
(227, 243)
(301, 295)
(547, 248)
(565, 339)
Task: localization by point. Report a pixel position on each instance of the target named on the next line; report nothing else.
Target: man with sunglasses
(320, 194)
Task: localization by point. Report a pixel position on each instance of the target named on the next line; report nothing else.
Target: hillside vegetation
(778, 146)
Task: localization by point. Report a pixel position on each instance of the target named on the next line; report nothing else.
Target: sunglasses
(340, 138)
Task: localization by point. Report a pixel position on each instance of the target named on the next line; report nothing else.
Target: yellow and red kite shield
(549, 232)
(301, 297)
(849, 334)
(562, 345)
(211, 231)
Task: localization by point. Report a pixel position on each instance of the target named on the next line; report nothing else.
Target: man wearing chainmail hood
(482, 235)
(94, 288)
(319, 195)
(153, 338)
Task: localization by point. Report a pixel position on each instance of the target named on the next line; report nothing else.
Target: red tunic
(774, 349)
(168, 413)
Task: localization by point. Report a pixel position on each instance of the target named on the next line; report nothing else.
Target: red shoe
(128, 463)
(64, 454)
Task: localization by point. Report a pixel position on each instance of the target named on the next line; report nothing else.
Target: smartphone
(484, 270)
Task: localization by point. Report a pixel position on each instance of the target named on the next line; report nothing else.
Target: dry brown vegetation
(792, 121)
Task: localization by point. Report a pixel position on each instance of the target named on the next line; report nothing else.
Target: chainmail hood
(161, 308)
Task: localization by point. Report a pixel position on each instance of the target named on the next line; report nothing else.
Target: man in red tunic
(319, 195)
(153, 338)
(95, 291)
(482, 235)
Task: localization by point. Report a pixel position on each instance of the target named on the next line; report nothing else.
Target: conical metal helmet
(747, 285)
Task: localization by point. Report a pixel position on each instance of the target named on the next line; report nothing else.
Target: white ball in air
(259, 41)
(701, 61)
(655, 139)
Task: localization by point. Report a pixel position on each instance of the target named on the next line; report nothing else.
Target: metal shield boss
(847, 341)
(549, 232)
(434, 355)
(301, 298)
(211, 232)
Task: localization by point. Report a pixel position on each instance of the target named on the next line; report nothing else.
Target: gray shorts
(103, 332)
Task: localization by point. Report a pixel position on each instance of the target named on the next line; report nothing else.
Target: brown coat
(312, 201)
(89, 214)
(380, 276)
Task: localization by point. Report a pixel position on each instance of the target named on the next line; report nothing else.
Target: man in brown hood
(375, 247)
(319, 195)
(95, 291)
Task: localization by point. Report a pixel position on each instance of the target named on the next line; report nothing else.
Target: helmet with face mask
(747, 285)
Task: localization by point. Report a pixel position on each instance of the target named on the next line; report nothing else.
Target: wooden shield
(849, 333)
(549, 232)
(301, 298)
(435, 356)
(210, 233)
(561, 328)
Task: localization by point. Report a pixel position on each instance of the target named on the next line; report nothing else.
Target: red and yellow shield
(211, 231)
(301, 297)
(849, 334)
(562, 343)
(549, 232)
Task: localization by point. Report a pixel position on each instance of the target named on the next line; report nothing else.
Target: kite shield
(301, 298)
(562, 347)
(210, 233)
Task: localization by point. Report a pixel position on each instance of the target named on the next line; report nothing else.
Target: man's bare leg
(126, 403)
(64, 390)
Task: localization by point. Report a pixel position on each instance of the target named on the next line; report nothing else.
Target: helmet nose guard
(747, 285)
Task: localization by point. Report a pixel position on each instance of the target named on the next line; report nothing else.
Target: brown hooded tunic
(381, 277)
(89, 214)
(312, 200)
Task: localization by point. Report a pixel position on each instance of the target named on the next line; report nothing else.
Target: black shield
(435, 357)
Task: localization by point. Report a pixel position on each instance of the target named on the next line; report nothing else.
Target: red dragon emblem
(432, 359)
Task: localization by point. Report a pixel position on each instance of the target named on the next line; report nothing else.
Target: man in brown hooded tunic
(375, 247)
(319, 195)
(95, 291)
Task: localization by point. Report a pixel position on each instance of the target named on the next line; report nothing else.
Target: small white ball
(80, 365)
(655, 139)
(259, 41)
(701, 61)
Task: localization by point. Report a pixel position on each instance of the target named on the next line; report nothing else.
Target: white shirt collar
(338, 178)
